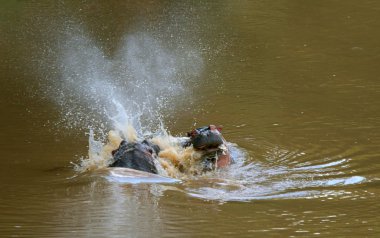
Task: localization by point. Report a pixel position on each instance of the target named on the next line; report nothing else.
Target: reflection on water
(295, 85)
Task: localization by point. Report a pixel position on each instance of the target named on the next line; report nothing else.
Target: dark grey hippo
(136, 155)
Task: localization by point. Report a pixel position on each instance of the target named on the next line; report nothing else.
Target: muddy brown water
(294, 83)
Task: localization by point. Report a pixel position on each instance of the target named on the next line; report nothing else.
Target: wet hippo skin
(135, 155)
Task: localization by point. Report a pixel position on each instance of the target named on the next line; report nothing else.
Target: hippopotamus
(207, 140)
(210, 142)
(136, 155)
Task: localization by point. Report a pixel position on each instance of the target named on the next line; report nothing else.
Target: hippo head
(210, 143)
(135, 155)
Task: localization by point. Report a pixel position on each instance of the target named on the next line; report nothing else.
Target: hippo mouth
(207, 142)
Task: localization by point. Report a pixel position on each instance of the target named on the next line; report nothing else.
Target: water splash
(120, 97)
(141, 83)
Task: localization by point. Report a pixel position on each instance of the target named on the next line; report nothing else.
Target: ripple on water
(284, 174)
(314, 176)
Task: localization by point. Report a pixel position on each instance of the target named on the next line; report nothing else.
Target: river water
(294, 84)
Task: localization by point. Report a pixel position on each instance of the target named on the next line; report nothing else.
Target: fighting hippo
(208, 141)
(136, 155)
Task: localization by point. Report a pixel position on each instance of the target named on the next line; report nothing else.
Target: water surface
(294, 83)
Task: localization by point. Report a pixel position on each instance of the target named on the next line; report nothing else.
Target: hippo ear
(213, 127)
(192, 133)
